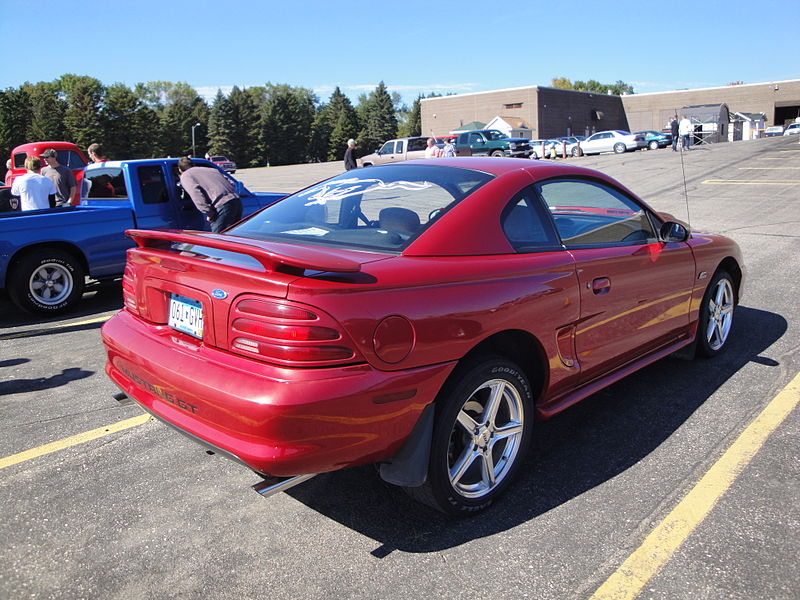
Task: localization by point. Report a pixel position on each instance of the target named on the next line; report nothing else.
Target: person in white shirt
(685, 129)
(35, 191)
(432, 151)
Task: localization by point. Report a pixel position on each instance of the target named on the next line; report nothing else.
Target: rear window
(380, 208)
(107, 182)
(218, 159)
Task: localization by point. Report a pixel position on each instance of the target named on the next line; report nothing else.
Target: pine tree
(244, 131)
(47, 112)
(82, 116)
(286, 120)
(14, 119)
(344, 124)
(127, 124)
(378, 119)
(220, 127)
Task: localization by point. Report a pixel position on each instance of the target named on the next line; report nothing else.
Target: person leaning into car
(213, 194)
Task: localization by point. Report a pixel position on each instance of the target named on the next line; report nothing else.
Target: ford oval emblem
(219, 294)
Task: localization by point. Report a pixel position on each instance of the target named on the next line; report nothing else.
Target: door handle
(600, 286)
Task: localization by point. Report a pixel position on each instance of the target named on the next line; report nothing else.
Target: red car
(67, 154)
(416, 315)
(223, 163)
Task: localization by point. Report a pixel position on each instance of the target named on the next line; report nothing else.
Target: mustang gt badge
(221, 294)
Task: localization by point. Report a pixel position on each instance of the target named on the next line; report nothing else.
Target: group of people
(48, 187)
(448, 150)
(682, 129)
(211, 191)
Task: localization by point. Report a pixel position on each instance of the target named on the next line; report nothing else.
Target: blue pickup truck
(46, 255)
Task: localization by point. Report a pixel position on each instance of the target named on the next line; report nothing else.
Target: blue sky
(413, 46)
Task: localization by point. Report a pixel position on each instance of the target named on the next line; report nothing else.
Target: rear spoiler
(272, 255)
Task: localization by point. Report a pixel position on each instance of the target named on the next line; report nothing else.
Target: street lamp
(193, 126)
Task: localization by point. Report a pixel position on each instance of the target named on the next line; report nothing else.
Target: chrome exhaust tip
(273, 485)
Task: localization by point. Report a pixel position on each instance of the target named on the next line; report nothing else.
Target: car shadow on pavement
(99, 298)
(572, 453)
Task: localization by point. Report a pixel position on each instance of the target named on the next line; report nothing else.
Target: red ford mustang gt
(417, 315)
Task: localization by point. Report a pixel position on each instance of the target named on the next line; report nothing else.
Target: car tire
(716, 315)
(46, 282)
(576, 152)
(653, 145)
(534, 156)
(497, 153)
(619, 148)
(482, 432)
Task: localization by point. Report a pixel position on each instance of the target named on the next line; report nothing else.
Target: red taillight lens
(288, 334)
(129, 290)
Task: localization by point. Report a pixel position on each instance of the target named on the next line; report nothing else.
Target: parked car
(67, 154)
(612, 141)
(656, 139)
(792, 129)
(397, 150)
(542, 148)
(223, 163)
(45, 255)
(573, 144)
(773, 130)
(491, 142)
(418, 316)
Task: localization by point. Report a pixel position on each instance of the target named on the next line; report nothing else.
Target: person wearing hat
(349, 156)
(61, 176)
(34, 190)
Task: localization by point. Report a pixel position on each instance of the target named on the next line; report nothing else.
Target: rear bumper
(277, 421)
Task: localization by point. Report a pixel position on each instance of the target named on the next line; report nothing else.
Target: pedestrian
(685, 128)
(9, 175)
(61, 176)
(449, 150)
(432, 150)
(673, 127)
(96, 153)
(35, 191)
(349, 156)
(213, 194)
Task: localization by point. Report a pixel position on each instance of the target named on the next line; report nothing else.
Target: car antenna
(685, 188)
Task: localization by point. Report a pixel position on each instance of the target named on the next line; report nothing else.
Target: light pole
(193, 126)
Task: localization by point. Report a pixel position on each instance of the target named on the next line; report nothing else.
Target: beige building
(552, 112)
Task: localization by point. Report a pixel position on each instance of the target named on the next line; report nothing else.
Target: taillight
(129, 290)
(288, 334)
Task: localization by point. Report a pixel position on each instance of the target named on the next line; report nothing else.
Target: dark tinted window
(417, 144)
(152, 185)
(591, 214)
(106, 182)
(70, 158)
(526, 225)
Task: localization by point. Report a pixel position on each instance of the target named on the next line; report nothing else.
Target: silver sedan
(612, 141)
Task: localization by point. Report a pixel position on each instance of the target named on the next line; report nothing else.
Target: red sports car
(417, 315)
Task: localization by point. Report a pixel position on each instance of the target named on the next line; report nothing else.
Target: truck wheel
(619, 148)
(46, 282)
(480, 437)
(498, 153)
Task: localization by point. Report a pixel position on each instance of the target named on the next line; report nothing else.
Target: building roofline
(719, 87)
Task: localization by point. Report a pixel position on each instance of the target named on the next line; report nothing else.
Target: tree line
(273, 124)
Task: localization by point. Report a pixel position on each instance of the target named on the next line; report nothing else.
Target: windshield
(218, 159)
(379, 208)
(493, 134)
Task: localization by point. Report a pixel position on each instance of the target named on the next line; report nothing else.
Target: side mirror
(673, 232)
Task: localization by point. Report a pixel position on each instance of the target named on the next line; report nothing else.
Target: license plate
(186, 315)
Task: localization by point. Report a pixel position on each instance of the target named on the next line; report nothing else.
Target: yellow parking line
(648, 559)
(29, 332)
(743, 182)
(86, 436)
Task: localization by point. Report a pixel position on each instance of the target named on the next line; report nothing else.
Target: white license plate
(186, 315)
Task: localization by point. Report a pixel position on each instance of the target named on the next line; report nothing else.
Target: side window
(152, 184)
(417, 144)
(526, 225)
(399, 148)
(71, 159)
(590, 213)
(104, 183)
(388, 148)
(475, 138)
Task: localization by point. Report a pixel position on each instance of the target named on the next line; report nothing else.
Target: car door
(635, 290)
(385, 154)
(477, 145)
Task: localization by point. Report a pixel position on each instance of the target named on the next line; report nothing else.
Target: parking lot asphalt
(142, 512)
